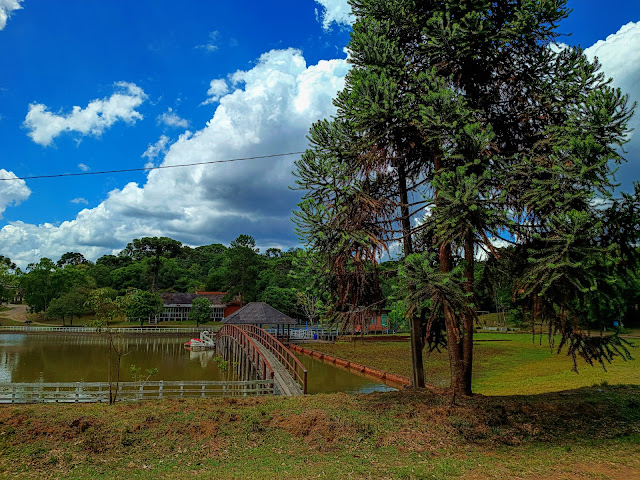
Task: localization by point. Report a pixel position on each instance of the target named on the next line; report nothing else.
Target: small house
(262, 315)
(376, 322)
(177, 306)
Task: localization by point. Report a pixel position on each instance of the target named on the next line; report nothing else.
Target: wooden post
(160, 389)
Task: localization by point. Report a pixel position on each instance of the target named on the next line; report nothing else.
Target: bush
(514, 317)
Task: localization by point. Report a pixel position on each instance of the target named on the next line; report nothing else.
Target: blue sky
(103, 85)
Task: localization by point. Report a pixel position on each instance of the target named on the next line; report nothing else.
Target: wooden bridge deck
(284, 383)
(256, 352)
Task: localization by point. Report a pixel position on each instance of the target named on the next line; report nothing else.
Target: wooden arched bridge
(255, 353)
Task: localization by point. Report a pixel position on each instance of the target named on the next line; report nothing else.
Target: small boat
(205, 341)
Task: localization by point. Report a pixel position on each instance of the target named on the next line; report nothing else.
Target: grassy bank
(504, 364)
(383, 435)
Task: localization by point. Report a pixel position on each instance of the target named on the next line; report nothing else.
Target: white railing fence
(309, 333)
(34, 328)
(96, 392)
(297, 332)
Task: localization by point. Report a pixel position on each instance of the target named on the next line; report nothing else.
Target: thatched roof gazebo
(261, 314)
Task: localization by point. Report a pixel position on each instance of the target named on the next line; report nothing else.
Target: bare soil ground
(18, 313)
(584, 434)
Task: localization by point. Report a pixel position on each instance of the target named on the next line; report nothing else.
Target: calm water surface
(75, 358)
(324, 378)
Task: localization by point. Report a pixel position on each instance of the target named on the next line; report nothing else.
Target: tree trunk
(109, 374)
(468, 316)
(454, 344)
(415, 324)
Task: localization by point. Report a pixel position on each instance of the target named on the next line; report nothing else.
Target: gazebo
(261, 314)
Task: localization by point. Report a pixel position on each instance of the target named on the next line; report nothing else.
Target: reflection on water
(325, 378)
(74, 358)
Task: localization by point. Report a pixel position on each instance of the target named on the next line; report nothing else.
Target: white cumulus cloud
(335, 11)
(7, 7)
(619, 55)
(12, 192)
(80, 200)
(84, 167)
(268, 111)
(172, 119)
(97, 116)
(154, 150)
(217, 88)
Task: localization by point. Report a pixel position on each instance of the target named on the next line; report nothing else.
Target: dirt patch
(314, 427)
(17, 313)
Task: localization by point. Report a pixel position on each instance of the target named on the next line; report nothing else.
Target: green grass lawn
(504, 364)
(586, 433)
(382, 435)
(8, 322)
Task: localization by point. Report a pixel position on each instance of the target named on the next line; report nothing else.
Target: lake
(28, 358)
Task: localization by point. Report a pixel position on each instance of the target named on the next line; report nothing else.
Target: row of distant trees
(292, 281)
(67, 288)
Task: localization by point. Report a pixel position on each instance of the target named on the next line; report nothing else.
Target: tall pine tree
(462, 109)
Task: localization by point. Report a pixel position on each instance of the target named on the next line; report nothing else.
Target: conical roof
(258, 313)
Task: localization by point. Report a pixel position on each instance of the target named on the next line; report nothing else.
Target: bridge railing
(286, 356)
(96, 392)
(261, 364)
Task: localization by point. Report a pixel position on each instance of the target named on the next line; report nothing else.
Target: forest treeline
(160, 265)
(291, 281)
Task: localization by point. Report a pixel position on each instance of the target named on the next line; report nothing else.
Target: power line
(144, 169)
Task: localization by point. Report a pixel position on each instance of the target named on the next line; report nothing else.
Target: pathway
(18, 313)
(284, 382)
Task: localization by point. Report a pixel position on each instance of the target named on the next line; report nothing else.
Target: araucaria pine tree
(462, 115)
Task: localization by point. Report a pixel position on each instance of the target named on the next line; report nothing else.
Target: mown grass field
(591, 430)
(590, 433)
(504, 364)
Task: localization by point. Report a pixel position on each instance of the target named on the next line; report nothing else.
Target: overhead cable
(144, 169)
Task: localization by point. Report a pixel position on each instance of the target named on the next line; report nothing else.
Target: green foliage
(242, 268)
(496, 135)
(201, 310)
(69, 305)
(71, 258)
(40, 284)
(283, 299)
(221, 363)
(106, 305)
(138, 376)
(141, 305)
(9, 279)
(153, 248)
